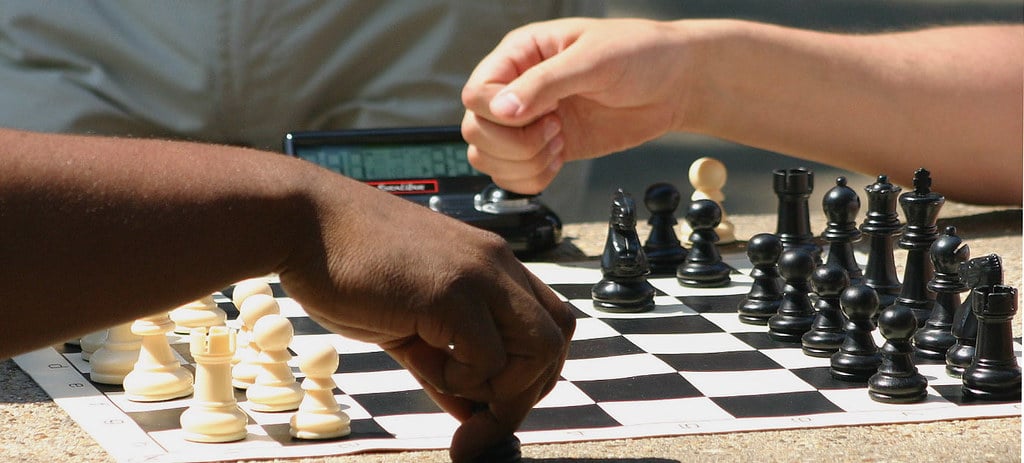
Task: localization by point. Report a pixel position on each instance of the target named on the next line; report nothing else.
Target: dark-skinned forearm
(96, 231)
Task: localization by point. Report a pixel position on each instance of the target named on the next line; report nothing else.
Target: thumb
(538, 90)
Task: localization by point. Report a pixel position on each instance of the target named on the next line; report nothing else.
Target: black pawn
(765, 295)
(508, 450)
(703, 267)
(994, 373)
(795, 314)
(921, 209)
(793, 187)
(977, 272)
(624, 287)
(664, 251)
(881, 225)
(841, 205)
(947, 254)
(827, 333)
(897, 379)
(858, 358)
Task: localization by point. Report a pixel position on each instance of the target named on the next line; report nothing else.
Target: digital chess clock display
(375, 162)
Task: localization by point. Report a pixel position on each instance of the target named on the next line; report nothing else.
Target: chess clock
(428, 165)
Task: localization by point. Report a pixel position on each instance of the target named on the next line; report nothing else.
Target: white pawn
(708, 176)
(214, 415)
(91, 343)
(246, 288)
(198, 314)
(319, 416)
(112, 362)
(246, 367)
(275, 389)
(157, 374)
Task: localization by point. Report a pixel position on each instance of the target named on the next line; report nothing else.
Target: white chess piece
(246, 367)
(246, 288)
(708, 176)
(214, 415)
(157, 374)
(197, 314)
(112, 362)
(319, 415)
(92, 342)
(275, 389)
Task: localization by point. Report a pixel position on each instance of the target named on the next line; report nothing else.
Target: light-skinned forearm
(947, 99)
(98, 231)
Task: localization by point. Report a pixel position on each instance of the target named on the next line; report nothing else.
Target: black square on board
(761, 340)
(646, 387)
(712, 304)
(397, 403)
(554, 418)
(663, 325)
(602, 347)
(366, 362)
(305, 326)
(748, 360)
(821, 378)
(783, 404)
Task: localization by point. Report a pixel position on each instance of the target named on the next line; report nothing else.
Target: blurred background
(748, 189)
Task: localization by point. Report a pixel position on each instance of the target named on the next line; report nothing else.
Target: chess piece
(793, 187)
(897, 379)
(92, 342)
(214, 415)
(255, 307)
(994, 373)
(112, 362)
(881, 224)
(921, 208)
(947, 253)
(708, 176)
(202, 312)
(663, 249)
(275, 388)
(795, 312)
(977, 272)
(246, 288)
(624, 286)
(826, 334)
(157, 374)
(841, 205)
(858, 358)
(319, 415)
(765, 295)
(703, 267)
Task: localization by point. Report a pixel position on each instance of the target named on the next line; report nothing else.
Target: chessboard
(687, 367)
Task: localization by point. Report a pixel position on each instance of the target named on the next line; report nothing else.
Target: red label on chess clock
(407, 187)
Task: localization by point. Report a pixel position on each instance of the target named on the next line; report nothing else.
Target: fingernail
(506, 104)
(555, 146)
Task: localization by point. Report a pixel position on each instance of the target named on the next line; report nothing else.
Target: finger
(507, 143)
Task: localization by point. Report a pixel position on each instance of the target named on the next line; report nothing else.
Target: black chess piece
(624, 287)
(921, 209)
(947, 254)
(858, 357)
(796, 313)
(881, 225)
(765, 295)
(508, 450)
(977, 272)
(897, 379)
(827, 333)
(994, 373)
(664, 250)
(793, 187)
(841, 205)
(703, 267)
